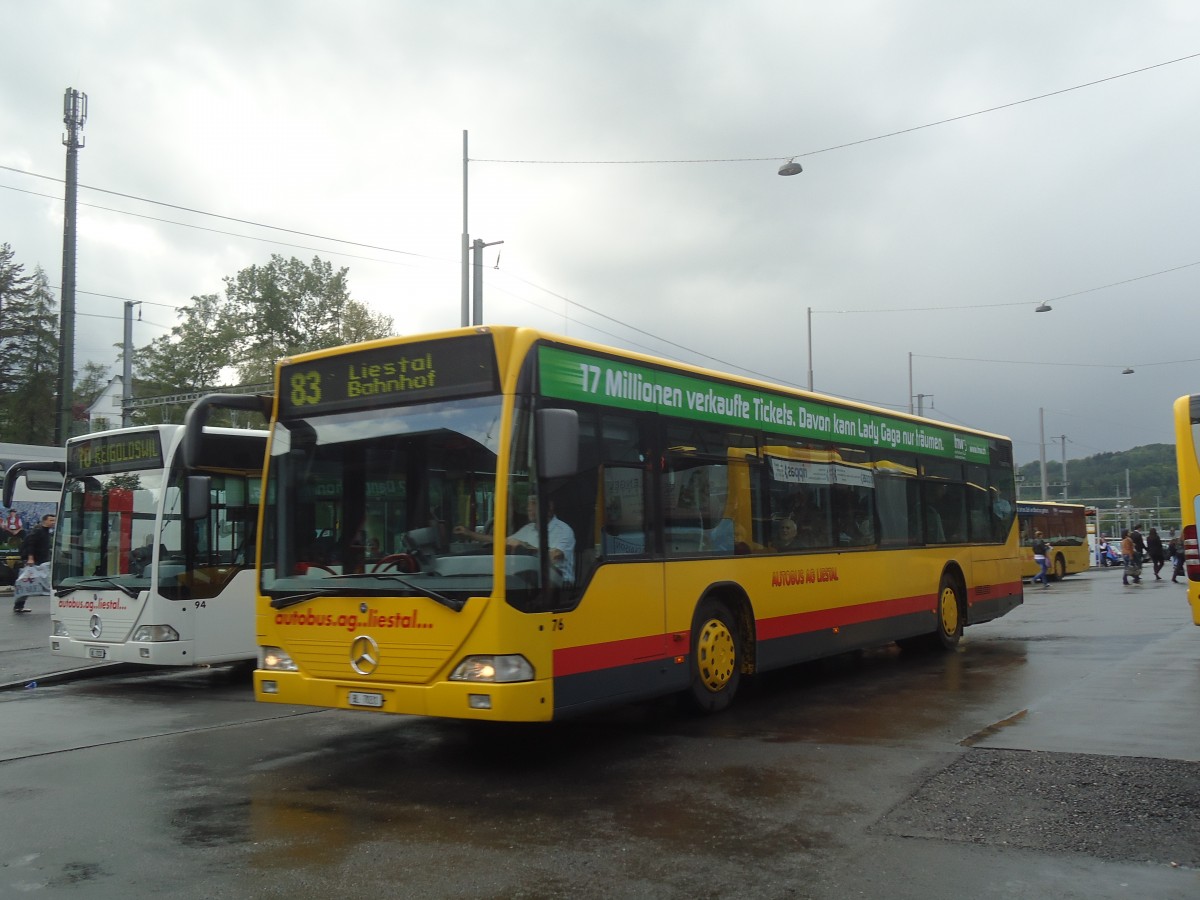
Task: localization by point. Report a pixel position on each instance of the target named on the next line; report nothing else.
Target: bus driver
(558, 533)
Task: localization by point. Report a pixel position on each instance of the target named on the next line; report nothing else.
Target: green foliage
(286, 307)
(279, 309)
(1153, 480)
(29, 349)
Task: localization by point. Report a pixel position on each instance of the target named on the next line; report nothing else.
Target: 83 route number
(306, 388)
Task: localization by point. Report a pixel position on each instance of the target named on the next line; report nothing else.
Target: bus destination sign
(389, 376)
(107, 454)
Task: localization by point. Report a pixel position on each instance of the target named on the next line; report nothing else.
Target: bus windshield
(396, 501)
(106, 528)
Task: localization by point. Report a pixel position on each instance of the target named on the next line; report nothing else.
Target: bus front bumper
(528, 701)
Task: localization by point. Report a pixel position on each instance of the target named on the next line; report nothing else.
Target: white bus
(135, 577)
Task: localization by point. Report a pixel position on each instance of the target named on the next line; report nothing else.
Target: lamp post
(477, 246)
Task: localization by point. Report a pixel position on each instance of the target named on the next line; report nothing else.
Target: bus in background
(495, 523)
(1187, 457)
(1064, 527)
(135, 578)
(32, 481)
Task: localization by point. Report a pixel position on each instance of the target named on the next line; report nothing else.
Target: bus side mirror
(198, 487)
(557, 442)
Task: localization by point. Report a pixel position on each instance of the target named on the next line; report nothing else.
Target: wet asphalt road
(1056, 754)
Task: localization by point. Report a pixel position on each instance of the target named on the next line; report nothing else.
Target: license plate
(96, 652)
(358, 698)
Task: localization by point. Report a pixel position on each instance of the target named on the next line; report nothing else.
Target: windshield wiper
(93, 579)
(293, 599)
(455, 605)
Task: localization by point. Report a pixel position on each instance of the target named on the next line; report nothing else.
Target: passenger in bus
(560, 535)
(622, 533)
(812, 525)
(786, 536)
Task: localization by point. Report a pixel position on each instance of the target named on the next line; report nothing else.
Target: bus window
(943, 503)
(897, 499)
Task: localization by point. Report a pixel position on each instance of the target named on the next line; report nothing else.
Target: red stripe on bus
(593, 657)
(836, 617)
(590, 657)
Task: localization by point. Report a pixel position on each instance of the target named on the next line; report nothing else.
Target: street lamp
(1044, 307)
(791, 167)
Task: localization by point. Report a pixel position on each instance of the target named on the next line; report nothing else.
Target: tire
(1060, 568)
(716, 658)
(949, 613)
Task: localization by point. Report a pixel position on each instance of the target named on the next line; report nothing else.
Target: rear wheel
(949, 613)
(716, 657)
(1060, 568)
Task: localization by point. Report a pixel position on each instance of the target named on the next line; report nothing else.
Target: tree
(14, 289)
(30, 350)
(286, 307)
(192, 355)
(279, 309)
(89, 382)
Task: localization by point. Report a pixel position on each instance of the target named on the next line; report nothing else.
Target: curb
(67, 675)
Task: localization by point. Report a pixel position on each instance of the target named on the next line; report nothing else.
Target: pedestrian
(1139, 547)
(36, 551)
(1176, 558)
(1128, 549)
(1041, 556)
(1154, 547)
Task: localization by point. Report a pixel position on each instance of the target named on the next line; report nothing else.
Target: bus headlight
(155, 633)
(58, 629)
(276, 660)
(494, 669)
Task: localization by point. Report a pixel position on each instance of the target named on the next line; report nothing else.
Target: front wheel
(716, 659)
(1060, 568)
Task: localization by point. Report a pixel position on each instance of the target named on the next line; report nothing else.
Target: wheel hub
(715, 655)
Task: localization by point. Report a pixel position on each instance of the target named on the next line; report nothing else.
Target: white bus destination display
(103, 455)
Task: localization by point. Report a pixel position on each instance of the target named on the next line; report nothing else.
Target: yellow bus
(410, 483)
(1187, 456)
(1064, 527)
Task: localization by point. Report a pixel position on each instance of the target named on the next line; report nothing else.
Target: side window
(943, 503)
(800, 476)
(897, 499)
(853, 499)
(708, 491)
(624, 486)
(979, 503)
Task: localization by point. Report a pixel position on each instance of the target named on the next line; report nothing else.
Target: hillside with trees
(1145, 475)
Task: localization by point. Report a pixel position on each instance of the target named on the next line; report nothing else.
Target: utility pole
(127, 369)
(74, 117)
(1042, 445)
(1063, 438)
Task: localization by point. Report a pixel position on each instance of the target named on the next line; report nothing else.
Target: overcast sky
(645, 210)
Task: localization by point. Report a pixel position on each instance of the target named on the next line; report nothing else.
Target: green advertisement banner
(569, 375)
